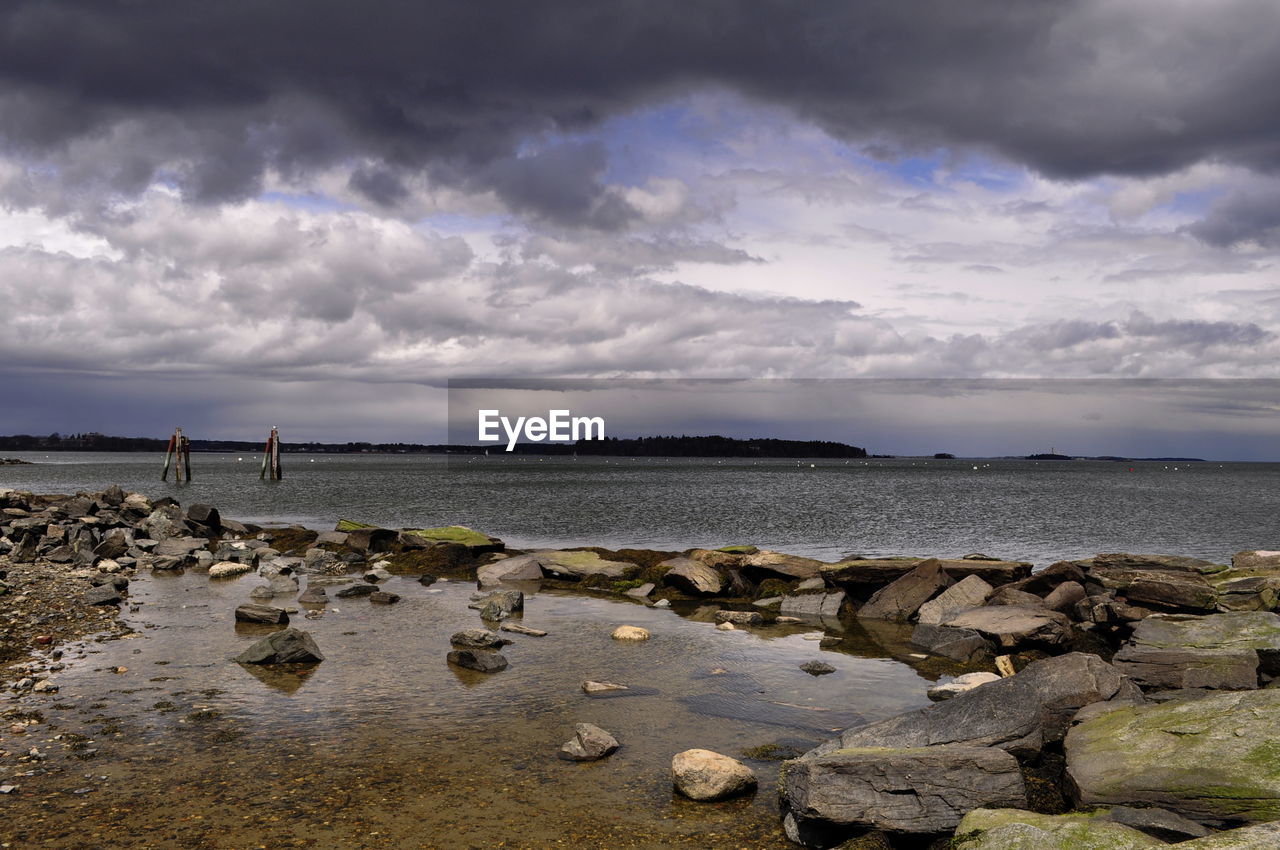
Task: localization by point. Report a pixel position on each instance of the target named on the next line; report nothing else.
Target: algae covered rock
(1224, 651)
(1014, 829)
(1215, 759)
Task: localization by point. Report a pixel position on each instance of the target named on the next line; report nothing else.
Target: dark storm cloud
(210, 95)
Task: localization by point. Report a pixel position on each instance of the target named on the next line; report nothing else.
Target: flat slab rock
(1020, 713)
(912, 790)
(1014, 625)
(1223, 651)
(692, 577)
(901, 598)
(864, 572)
(1212, 759)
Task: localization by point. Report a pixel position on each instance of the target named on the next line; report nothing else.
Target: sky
(314, 214)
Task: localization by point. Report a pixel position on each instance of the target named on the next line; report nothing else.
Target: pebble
(725, 627)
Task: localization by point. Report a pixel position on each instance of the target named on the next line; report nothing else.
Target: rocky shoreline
(1117, 701)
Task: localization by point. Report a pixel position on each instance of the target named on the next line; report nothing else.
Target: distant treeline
(711, 447)
(611, 446)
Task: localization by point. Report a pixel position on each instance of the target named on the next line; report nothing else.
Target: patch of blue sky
(307, 202)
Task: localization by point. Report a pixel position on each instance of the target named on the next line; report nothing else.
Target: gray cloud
(1242, 217)
(211, 95)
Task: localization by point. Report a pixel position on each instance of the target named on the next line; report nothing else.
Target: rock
(1014, 625)
(357, 590)
(323, 562)
(1259, 561)
(228, 569)
(1262, 836)
(1014, 829)
(1211, 759)
(1249, 593)
(1064, 597)
(1225, 651)
(518, 568)
(692, 577)
(960, 685)
(289, 646)
(1020, 713)
(630, 633)
(179, 547)
(813, 606)
(577, 565)
(589, 743)
(164, 522)
(501, 605)
(370, 541)
(426, 580)
(261, 614)
(206, 516)
(593, 687)
(969, 592)
(904, 596)
(103, 595)
(862, 573)
(477, 639)
(475, 542)
(919, 790)
(383, 597)
(706, 776)
(662, 603)
(765, 565)
(478, 660)
(314, 596)
(1043, 583)
(376, 575)
(958, 644)
(336, 538)
(726, 627)
(113, 546)
(518, 629)
(1012, 596)
(1166, 563)
(641, 592)
(817, 668)
(740, 618)
(1158, 823)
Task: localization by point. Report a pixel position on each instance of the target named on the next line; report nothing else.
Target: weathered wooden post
(177, 455)
(271, 457)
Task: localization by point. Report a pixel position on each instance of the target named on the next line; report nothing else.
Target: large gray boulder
(517, 568)
(290, 646)
(1213, 759)
(1020, 714)
(692, 577)
(1014, 625)
(969, 592)
(900, 599)
(912, 790)
(1222, 651)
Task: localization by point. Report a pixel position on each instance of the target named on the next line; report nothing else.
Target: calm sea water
(1038, 511)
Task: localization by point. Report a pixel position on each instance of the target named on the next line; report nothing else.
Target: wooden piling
(271, 457)
(178, 456)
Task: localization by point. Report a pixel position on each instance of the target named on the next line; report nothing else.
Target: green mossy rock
(1014, 829)
(459, 534)
(1215, 760)
(351, 525)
